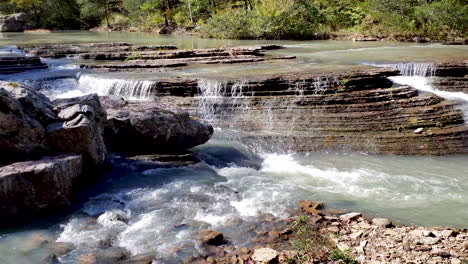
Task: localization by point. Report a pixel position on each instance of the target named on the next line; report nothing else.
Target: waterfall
(416, 69)
(212, 94)
(130, 89)
(411, 68)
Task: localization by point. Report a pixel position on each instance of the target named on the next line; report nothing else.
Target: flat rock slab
(15, 64)
(35, 187)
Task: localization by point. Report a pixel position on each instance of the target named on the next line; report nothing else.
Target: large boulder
(80, 129)
(34, 103)
(13, 23)
(35, 187)
(21, 136)
(142, 126)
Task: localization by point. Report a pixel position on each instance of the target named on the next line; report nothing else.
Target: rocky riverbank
(50, 149)
(317, 235)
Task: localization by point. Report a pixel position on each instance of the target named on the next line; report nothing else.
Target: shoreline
(341, 238)
(357, 37)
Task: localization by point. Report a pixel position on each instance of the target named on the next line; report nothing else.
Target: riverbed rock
(21, 136)
(13, 22)
(143, 127)
(350, 216)
(34, 103)
(36, 187)
(381, 222)
(210, 237)
(14, 63)
(143, 58)
(265, 256)
(80, 130)
(310, 207)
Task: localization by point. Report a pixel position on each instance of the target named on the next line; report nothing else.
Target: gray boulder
(142, 126)
(21, 136)
(80, 129)
(13, 23)
(34, 103)
(36, 187)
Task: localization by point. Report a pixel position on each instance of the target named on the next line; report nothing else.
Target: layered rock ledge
(451, 77)
(17, 63)
(348, 111)
(146, 58)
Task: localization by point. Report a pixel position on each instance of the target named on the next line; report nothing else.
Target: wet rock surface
(16, 63)
(451, 77)
(347, 111)
(146, 58)
(60, 146)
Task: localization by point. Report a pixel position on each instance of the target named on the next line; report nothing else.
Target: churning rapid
(161, 207)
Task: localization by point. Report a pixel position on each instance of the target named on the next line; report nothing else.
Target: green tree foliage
(241, 19)
(429, 18)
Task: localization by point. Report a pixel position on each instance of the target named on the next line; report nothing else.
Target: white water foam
(130, 89)
(425, 84)
(410, 68)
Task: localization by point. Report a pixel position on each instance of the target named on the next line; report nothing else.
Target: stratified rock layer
(350, 111)
(17, 63)
(146, 58)
(451, 77)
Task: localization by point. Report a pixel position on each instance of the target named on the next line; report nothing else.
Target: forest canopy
(253, 19)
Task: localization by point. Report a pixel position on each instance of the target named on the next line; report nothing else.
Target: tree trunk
(190, 12)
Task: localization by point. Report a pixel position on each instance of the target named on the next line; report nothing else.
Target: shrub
(443, 19)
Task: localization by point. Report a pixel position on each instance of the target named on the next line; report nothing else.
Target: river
(234, 181)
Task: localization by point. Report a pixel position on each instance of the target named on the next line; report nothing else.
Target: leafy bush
(443, 19)
(270, 19)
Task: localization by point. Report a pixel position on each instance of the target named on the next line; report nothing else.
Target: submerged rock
(37, 187)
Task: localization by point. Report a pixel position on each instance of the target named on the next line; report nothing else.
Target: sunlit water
(165, 207)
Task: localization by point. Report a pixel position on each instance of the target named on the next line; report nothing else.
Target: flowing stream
(162, 208)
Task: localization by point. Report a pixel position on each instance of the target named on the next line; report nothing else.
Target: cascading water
(415, 69)
(421, 77)
(130, 89)
(216, 98)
